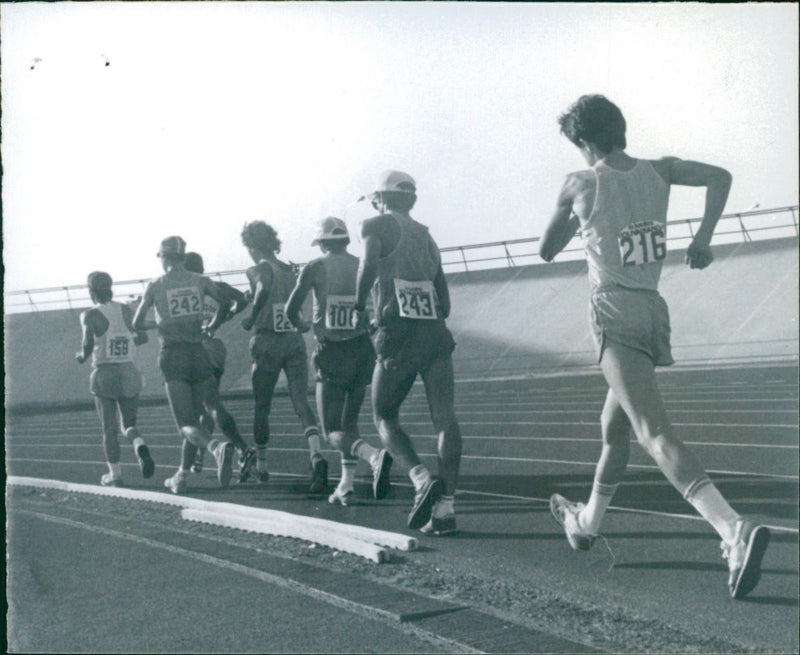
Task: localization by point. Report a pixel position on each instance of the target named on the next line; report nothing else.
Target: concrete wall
(506, 321)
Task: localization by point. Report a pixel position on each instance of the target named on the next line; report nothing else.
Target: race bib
(119, 348)
(340, 313)
(642, 243)
(281, 322)
(415, 299)
(184, 301)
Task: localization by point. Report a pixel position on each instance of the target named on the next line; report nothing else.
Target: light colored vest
(625, 235)
(116, 345)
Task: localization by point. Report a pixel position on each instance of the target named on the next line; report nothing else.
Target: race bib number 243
(415, 299)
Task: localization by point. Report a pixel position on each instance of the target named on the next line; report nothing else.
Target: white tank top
(625, 235)
(116, 345)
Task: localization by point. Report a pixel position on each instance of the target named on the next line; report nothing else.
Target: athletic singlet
(116, 345)
(334, 317)
(625, 235)
(273, 314)
(404, 285)
(179, 299)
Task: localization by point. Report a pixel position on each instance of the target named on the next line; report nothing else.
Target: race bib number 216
(642, 243)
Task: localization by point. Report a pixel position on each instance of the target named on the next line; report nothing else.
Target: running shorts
(115, 381)
(217, 353)
(346, 364)
(184, 361)
(410, 346)
(276, 351)
(636, 318)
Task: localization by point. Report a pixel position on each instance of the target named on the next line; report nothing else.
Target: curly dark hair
(260, 236)
(594, 118)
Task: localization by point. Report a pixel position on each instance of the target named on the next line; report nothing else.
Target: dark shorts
(410, 346)
(273, 352)
(116, 381)
(217, 354)
(185, 362)
(635, 318)
(346, 364)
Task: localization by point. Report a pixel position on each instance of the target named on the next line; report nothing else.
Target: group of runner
(618, 203)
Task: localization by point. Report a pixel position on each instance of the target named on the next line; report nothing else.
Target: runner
(620, 205)
(411, 301)
(178, 297)
(115, 382)
(277, 347)
(344, 357)
(214, 410)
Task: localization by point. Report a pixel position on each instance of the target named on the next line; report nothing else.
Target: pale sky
(213, 114)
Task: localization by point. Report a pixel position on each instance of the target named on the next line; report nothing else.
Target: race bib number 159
(642, 243)
(415, 299)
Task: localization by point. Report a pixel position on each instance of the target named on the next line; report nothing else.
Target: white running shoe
(566, 513)
(440, 525)
(744, 557)
(108, 480)
(177, 483)
(224, 456)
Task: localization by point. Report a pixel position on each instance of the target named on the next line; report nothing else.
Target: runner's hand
(247, 323)
(699, 256)
(80, 358)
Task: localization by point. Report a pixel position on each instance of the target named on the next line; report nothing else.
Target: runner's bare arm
(141, 336)
(140, 321)
(305, 282)
(718, 184)
(260, 281)
(223, 303)
(563, 224)
(368, 266)
(87, 341)
(442, 291)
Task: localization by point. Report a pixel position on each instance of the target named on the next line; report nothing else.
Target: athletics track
(507, 582)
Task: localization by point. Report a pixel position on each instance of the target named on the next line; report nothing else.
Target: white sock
(592, 515)
(348, 474)
(419, 476)
(444, 506)
(137, 441)
(709, 503)
(115, 469)
(363, 450)
(312, 435)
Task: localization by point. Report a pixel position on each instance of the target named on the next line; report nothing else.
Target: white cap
(396, 181)
(331, 228)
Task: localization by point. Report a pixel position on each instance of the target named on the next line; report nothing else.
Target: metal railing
(760, 224)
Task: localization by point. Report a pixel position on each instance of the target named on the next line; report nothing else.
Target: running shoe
(224, 456)
(566, 513)
(247, 463)
(440, 525)
(197, 466)
(424, 500)
(744, 557)
(380, 475)
(146, 464)
(108, 480)
(319, 476)
(262, 475)
(343, 498)
(177, 483)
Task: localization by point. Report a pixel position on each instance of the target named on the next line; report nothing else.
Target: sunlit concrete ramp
(513, 321)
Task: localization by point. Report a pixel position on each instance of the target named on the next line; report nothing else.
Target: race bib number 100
(280, 322)
(340, 313)
(184, 301)
(415, 299)
(642, 243)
